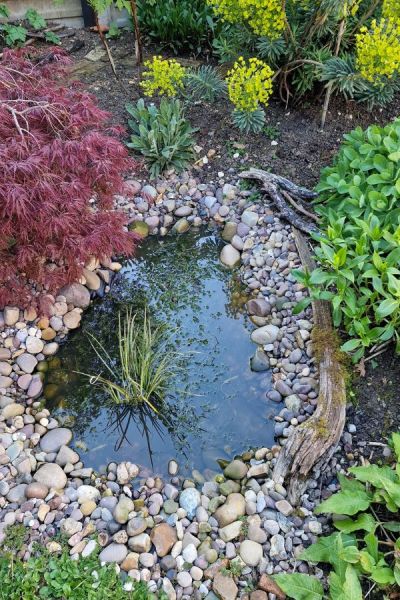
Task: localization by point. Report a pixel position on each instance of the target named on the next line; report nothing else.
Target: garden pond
(216, 406)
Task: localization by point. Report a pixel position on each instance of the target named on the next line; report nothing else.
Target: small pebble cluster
(190, 538)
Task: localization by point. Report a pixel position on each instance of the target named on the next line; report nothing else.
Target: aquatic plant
(146, 363)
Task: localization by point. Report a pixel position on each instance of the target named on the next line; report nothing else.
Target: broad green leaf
(373, 474)
(386, 308)
(335, 586)
(364, 521)
(302, 305)
(396, 573)
(396, 444)
(367, 561)
(350, 484)
(371, 542)
(350, 345)
(345, 503)
(350, 554)
(383, 576)
(325, 549)
(392, 526)
(352, 587)
(300, 587)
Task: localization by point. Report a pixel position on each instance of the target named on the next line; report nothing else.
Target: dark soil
(302, 150)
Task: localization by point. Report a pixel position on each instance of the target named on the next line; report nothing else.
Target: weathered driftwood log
(313, 442)
(276, 188)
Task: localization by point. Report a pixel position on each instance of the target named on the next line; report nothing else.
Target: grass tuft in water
(146, 363)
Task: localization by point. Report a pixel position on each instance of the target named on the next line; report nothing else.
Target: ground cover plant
(348, 46)
(365, 552)
(58, 576)
(359, 247)
(61, 167)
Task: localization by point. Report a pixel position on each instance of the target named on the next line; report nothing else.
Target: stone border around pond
(180, 536)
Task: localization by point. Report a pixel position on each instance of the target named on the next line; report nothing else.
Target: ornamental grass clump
(164, 77)
(145, 365)
(359, 245)
(61, 165)
(249, 88)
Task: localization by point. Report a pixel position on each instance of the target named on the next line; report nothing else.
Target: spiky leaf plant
(205, 83)
(271, 50)
(341, 71)
(145, 365)
(162, 135)
(249, 122)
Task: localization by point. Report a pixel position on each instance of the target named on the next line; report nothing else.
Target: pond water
(216, 406)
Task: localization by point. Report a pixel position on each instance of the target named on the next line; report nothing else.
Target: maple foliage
(61, 165)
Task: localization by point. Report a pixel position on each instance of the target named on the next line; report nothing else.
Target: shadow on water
(216, 406)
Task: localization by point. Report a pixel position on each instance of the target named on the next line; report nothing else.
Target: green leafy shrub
(359, 251)
(162, 135)
(177, 24)
(13, 35)
(58, 577)
(35, 20)
(366, 547)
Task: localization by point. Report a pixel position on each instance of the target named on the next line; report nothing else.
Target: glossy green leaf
(300, 587)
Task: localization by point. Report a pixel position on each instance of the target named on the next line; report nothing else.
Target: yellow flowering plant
(391, 9)
(249, 88)
(378, 50)
(164, 77)
(249, 84)
(351, 46)
(265, 17)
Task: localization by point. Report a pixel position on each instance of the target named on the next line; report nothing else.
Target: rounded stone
(26, 362)
(251, 553)
(265, 335)
(76, 294)
(12, 410)
(163, 537)
(184, 579)
(234, 507)
(113, 553)
(33, 344)
(51, 475)
(229, 256)
(189, 500)
(236, 469)
(55, 438)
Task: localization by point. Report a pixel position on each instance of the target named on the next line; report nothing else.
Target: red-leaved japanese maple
(60, 167)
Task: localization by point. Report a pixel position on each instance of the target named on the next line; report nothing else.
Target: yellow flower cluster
(391, 9)
(163, 77)
(378, 50)
(265, 17)
(249, 84)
